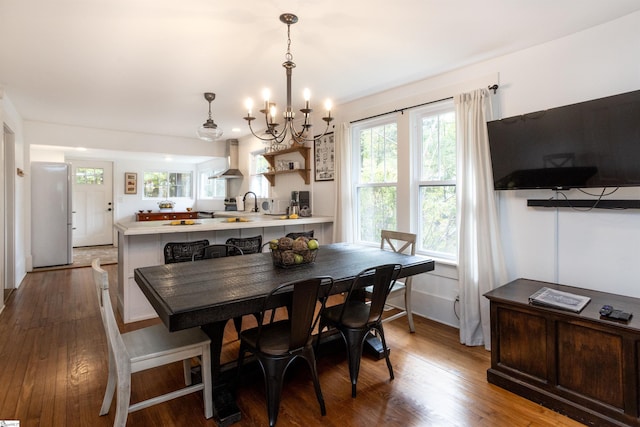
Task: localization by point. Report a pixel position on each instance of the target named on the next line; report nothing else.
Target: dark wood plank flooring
(54, 370)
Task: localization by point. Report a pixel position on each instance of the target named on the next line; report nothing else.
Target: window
(435, 149)
(258, 183)
(209, 187)
(90, 176)
(375, 180)
(163, 185)
(418, 174)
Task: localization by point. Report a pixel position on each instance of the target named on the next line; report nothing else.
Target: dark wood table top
(198, 293)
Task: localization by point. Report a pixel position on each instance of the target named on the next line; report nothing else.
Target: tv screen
(590, 144)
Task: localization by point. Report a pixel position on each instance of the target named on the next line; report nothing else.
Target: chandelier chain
(289, 55)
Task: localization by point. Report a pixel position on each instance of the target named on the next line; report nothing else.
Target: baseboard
(432, 307)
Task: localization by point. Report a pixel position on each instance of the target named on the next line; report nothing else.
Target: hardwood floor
(54, 370)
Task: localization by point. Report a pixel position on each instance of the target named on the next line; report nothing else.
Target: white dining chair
(405, 243)
(147, 348)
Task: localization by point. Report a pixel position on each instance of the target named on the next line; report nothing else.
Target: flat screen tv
(590, 144)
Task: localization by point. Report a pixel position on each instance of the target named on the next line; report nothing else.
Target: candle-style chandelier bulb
(288, 115)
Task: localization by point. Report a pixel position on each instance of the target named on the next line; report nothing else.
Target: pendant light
(209, 130)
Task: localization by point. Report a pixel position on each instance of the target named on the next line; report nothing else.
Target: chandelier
(209, 130)
(272, 134)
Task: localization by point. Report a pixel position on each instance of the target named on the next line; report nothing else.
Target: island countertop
(141, 244)
(129, 228)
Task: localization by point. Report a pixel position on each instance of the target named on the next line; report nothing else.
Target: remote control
(608, 312)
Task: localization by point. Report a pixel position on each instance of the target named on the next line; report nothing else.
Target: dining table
(208, 293)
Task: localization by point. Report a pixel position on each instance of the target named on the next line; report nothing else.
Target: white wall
(597, 249)
(12, 119)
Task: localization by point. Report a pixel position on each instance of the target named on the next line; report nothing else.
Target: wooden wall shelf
(305, 172)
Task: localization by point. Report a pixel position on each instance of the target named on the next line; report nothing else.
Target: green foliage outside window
(377, 180)
(438, 228)
(439, 147)
(377, 211)
(379, 154)
(165, 185)
(90, 176)
(438, 232)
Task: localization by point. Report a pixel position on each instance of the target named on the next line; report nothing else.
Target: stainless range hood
(232, 158)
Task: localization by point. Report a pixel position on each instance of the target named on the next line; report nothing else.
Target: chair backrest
(295, 235)
(381, 278)
(301, 298)
(217, 251)
(398, 241)
(249, 245)
(183, 251)
(114, 339)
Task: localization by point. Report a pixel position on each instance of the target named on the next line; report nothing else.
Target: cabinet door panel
(523, 343)
(590, 363)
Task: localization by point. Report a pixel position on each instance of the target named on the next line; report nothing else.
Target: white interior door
(92, 202)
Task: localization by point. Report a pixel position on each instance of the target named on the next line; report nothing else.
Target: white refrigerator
(51, 217)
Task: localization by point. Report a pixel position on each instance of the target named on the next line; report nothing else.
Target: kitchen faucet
(255, 198)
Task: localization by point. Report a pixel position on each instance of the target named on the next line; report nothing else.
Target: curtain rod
(494, 88)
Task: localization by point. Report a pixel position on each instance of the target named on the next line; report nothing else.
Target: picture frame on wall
(130, 183)
(324, 157)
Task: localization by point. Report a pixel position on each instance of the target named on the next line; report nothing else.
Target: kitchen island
(141, 244)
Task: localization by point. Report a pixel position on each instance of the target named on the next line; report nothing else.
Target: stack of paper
(558, 299)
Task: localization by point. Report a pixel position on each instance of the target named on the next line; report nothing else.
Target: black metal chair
(183, 251)
(220, 251)
(278, 343)
(249, 245)
(295, 235)
(217, 251)
(356, 317)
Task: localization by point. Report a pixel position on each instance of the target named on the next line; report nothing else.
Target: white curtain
(480, 258)
(343, 223)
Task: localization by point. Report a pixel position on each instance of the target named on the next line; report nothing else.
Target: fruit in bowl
(166, 204)
(287, 252)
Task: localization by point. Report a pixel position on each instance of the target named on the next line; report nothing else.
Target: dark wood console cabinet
(575, 363)
(164, 216)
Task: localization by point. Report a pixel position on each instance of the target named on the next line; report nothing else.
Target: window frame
(165, 194)
(357, 185)
(78, 173)
(258, 183)
(418, 183)
(207, 174)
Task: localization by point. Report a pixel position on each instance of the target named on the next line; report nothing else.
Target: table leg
(225, 409)
(374, 345)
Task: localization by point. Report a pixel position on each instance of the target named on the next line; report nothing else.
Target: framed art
(130, 183)
(324, 154)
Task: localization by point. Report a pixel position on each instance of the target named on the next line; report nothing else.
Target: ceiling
(142, 66)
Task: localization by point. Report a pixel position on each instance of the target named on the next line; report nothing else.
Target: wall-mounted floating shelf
(304, 173)
(585, 203)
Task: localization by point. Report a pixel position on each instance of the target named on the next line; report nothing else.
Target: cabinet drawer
(165, 216)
